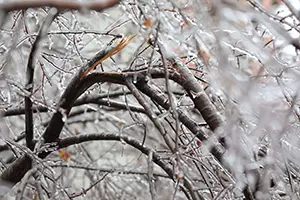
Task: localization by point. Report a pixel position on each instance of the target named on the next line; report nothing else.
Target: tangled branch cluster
(168, 99)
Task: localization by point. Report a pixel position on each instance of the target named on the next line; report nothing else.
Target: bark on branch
(60, 4)
(30, 78)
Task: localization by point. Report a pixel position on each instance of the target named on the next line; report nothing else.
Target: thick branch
(15, 172)
(198, 95)
(9, 6)
(164, 102)
(75, 88)
(217, 150)
(29, 78)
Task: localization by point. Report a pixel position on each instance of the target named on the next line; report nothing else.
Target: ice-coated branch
(150, 113)
(9, 6)
(30, 78)
(134, 143)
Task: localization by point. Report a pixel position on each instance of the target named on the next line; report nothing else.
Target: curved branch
(65, 142)
(61, 4)
(76, 87)
(134, 143)
(218, 151)
(164, 102)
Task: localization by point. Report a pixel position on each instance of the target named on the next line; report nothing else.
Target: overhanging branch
(60, 4)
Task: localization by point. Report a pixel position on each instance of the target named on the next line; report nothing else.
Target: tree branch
(198, 95)
(79, 102)
(30, 77)
(75, 88)
(217, 150)
(150, 114)
(134, 143)
(61, 4)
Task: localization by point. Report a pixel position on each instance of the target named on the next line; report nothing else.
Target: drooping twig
(150, 113)
(170, 96)
(84, 191)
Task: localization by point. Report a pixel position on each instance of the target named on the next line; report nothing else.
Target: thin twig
(150, 113)
(84, 191)
(150, 176)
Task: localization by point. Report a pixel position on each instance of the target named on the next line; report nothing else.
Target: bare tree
(169, 99)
